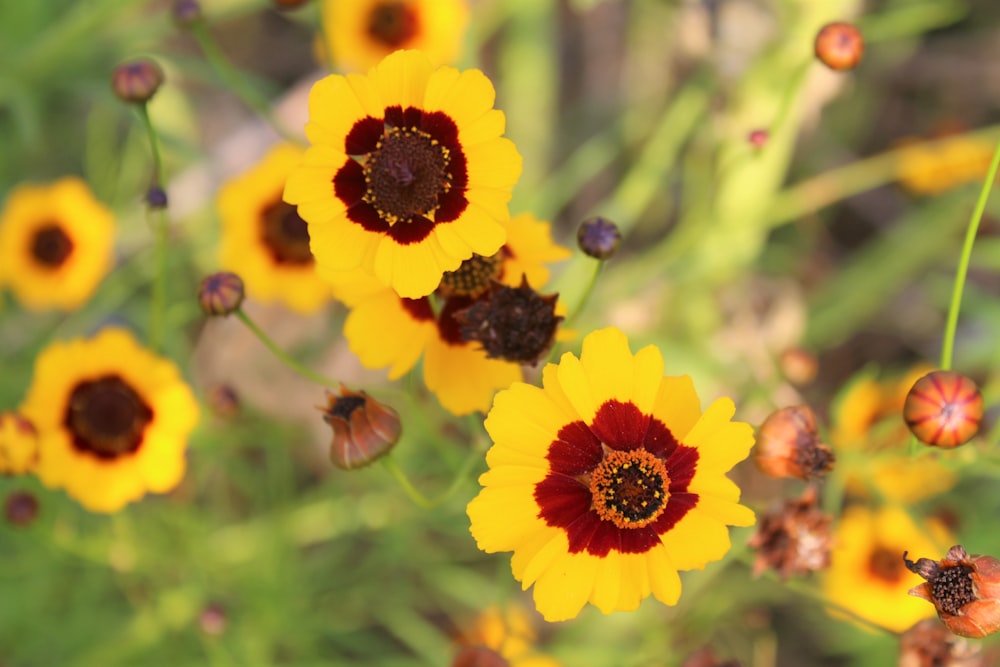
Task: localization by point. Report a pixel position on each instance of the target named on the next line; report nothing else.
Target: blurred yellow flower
(362, 32)
(933, 168)
(56, 244)
(18, 444)
(112, 420)
(508, 633)
(264, 240)
(867, 576)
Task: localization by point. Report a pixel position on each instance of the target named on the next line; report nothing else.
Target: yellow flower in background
(506, 636)
(867, 575)
(264, 240)
(408, 174)
(112, 420)
(56, 244)
(608, 479)
(18, 444)
(872, 441)
(385, 331)
(362, 32)
(933, 168)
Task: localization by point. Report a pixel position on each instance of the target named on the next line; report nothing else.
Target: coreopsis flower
(360, 33)
(871, 441)
(608, 479)
(930, 644)
(501, 638)
(931, 168)
(408, 174)
(263, 238)
(112, 420)
(943, 409)
(386, 331)
(56, 244)
(363, 429)
(794, 540)
(964, 589)
(867, 575)
(788, 445)
(18, 444)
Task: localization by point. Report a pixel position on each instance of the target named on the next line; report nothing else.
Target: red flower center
(106, 417)
(285, 234)
(51, 246)
(393, 24)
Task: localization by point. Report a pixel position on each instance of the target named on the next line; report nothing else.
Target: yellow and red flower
(264, 240)
(608, 479)
(408, 174)
(56, 244)
(112, 420)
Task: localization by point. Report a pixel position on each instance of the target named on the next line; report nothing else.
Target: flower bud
(944, 409)
(788, 445)
(839, 46)
(212, 620)
(964, 589)
(224, 401)
(363, 428)
(798, 366)
(795, 540)
(18, 444)
(186, 12)
(598, 238)
(136, 81)
(20, 508)
(758, 138)
(221, 293)
(156, 197)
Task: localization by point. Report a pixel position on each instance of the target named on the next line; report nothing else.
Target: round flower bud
(212, 620)
(156, 197)
(363, 429)
(758, 138)
(136, 81)
(20, 508)
(839, 46)
(598, 237)
(224, 401)
(788, 445)
(943, 409)
(186, 12)
(798, 366)
(964, 589)
(221, 293)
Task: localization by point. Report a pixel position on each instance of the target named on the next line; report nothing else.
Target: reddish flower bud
(137, 80)
(213, 620)
(20, 508)
(943, 409)
(598, 238)
(798, 366)
(964, 589)
(186, 12)
(18, 444)
(224, 401)
(221, 293)
(788, 445)
(839, 46)
(758, 138)
(363, 428)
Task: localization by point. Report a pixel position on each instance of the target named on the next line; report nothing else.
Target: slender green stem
(159, 301)
(419, 498)
(282, 355)
(948, 346)
(236, 81)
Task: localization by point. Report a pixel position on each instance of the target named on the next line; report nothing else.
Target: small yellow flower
(608, 479)
(933, 168)
(507, 633)
(362, 32)
(56, 244)
(112, 420)
(18, 444)
(264, 240)
(408, 174)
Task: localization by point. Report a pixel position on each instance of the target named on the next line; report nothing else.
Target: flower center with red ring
(885, 565)
(630, 488)
(50, 246)
(106, 417)
(473, 277)
(393, 24)
(285, 234)
(406, 174)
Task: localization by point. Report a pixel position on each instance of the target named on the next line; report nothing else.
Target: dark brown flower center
(630, 488)
(952, 588)
(406, 174)
(50, 245)
(513, 323)
(285, 234)
(106, 417)
(392, 24)
(884, 565)
(344, 406)
(473, 277)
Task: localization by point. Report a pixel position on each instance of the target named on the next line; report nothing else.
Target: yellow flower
(384, 330)
(408, 174)
(608, 479)
(264, 240)
(112, 420)
(872, 441)
(18, 444)
(56, 244)
(867, 575)
(507, 633)
(931, 169)
(362, 32)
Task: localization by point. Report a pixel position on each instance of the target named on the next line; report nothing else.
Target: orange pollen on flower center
(630, 488)
(473, 277)
(406, 174)
(50, 246)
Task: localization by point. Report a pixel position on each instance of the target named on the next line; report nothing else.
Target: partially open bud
(943, 409)
(788, 445)
(598, 237)
(137, 80)
(18, 444)
(795, 540)
(930, 644)
(363, 428)
(964, 589)
(839, 46)
(221, 293)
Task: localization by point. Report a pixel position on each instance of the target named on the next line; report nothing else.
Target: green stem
(237, 81)
(282, 355)
(948, 346)
(159, 301)
(419, 498)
